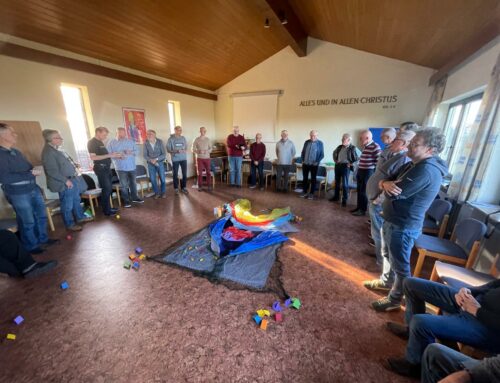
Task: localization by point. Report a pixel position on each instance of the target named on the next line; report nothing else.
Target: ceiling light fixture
(283, 18)
(266, 24)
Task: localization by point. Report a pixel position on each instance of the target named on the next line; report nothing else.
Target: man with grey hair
(388, 135)
(409, 194)
(61, 173)
(285, 153)
(312, 154)
(384, 169)
(345, 156)
(409, 125)
(125, 166)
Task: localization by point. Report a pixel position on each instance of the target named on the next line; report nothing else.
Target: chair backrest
(89, 181)
(140, 171)
(114, 177)
(438, 209)
(321, 171)
(216, 164)
(293, 169)
(467, 232)
(268, 165)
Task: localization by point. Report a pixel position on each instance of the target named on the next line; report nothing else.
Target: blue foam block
(64, 285)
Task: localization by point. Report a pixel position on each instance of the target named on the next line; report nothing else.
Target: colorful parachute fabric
(240, 210)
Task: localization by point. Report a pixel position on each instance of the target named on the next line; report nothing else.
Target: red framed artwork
(135, 124)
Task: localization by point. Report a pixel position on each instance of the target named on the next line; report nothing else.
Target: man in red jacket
(235, 145)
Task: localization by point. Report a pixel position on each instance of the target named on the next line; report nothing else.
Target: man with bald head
(367, 163)
(202, 147)
(285, 153)
(312, 154)
(235, 144)
(344, 156)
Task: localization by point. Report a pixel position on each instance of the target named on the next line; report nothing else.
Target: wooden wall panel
(29, 139)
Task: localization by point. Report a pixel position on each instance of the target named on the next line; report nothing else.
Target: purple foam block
(288, 302)
(18, 320)
(276, 306)
(138, 250)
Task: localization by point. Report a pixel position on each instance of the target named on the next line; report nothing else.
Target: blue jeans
(440, 361)
(380, 246)
(458, 326)
(235, 170)
(154, 170)
(399, 243)
(128, 182)
(175, 166)
(31, 217)
(253, 170)
(70, 205)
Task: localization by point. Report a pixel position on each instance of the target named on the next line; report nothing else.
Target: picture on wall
(135, 124)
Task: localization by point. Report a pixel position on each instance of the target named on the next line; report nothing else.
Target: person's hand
(36, 172)
(470, 305)
(116, 155)
(256, 163)
(69, 184)
(153, 161)
(391, 188)
(457, 377)
(460, 296)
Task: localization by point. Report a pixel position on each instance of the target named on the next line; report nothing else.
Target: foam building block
(18, 320)
(142, 256)
(136, 265)
(278, 317)
(131, 257)
(64, 285)
(138, 250)
(263, 324)
(257, 319)
(263, 313)
(296, 303)
(277, 306)
(11, 337)
(288, 302)
(127, 265)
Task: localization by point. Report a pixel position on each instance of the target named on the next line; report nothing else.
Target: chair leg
(49, 218)
(117, 189)
(92, 206)
(111, 202)
(420, 263)
(434, 275)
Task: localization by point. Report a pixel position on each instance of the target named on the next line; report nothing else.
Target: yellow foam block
(11, 336)
(142, 256)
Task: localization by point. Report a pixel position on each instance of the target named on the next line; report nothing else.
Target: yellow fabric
(242, 209)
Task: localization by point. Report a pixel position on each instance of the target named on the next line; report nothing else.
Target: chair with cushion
(52, 206)
(461, 249)
(92, 193)
(436, 218)
(217, 167)
(292, 176)
(321, 179)
(141, 177)
(115, 183)
(268, 172)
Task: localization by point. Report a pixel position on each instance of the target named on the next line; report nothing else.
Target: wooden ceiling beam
(489, 33)
(295, 32)
(21, 52)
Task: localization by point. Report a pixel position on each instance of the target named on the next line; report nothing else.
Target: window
(174, 115)
(79, 117)
(458, 128)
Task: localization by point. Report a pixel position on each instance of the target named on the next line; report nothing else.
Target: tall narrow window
(78, 113)
(174, 115)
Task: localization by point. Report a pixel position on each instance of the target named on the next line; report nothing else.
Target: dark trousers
(457, 326)
(175, 166)
(282, 173)
(440, 361)
(362, 179)
(104, 177)
(306, 169)
(342, 172)
(14, 259)
(253, 170)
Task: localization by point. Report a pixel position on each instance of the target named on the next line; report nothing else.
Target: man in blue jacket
(409, 194)
(312, 154)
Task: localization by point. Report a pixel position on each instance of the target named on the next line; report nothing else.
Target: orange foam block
(263, 324)
(131, 257)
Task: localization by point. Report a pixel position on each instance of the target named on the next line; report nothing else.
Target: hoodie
(176, 144)
(420, 185)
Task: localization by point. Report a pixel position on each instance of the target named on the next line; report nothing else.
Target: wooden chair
(461, 249)
(321, 179)
(268, 172)
(115, 182)
(292, 177)
(92, 193)
(141, 177)
(436, 218)
(52, 206)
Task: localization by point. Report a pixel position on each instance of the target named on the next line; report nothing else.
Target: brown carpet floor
(163, 324)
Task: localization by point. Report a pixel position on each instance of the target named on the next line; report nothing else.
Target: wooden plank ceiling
(208, 43)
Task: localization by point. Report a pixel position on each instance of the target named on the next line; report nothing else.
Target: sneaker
(304, 195)
(310, 196)
(385, 305)
(252, 187)
(376, 285)
(157, 196)
(40, 268)
(138, 200)
(402, 367)
(359, 213)
(86, 219)
(176, 191)
(164, 195)
(353, 210)
(74, 228)
(400, 330)
(185, 191)
(51, 242)
(110, 214)
(127, 205)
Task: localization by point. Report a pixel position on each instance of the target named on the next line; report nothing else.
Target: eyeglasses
(415, 145)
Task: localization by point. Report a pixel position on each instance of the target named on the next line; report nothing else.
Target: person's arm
(252, 152)
(209, 147)
(335, 154)
(51, 167)
(146, 151)
(487, 370)
(10, 177)
(294, 152)
(412, 183)
(194, 149)
(321, 153)
(170, 146)
(163, 154)
(263, 153)
(355, 154)
(303, 153)
(484, 288)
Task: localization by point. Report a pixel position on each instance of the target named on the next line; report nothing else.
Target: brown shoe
(86, 219)
(156, 196)
(74, 228)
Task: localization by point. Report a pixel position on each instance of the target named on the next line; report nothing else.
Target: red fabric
(234, 234)
(257, 151)
(233, 145)
(204, 164)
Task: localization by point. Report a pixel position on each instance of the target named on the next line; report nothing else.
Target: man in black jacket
(472, 317)
(344, 156)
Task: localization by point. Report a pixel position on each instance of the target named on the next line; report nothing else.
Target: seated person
(16, 261)
(444, 365)
(472, 317)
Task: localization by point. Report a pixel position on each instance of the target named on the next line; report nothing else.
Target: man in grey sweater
(177, 147)
(285, 152)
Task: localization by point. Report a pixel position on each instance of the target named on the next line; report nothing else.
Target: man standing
(257, 155)
(285, 153)
(202, 147)
(408, 196)
(367, 163)
(344, 156)
(312, 154)
(235, 145)
(61, 173)
(125, 166)
(177, 147)
(102, 167)
(154, 154)
(385, 169)
(17, 177)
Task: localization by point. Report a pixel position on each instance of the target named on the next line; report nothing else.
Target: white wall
(30, 91)
(331, 71)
